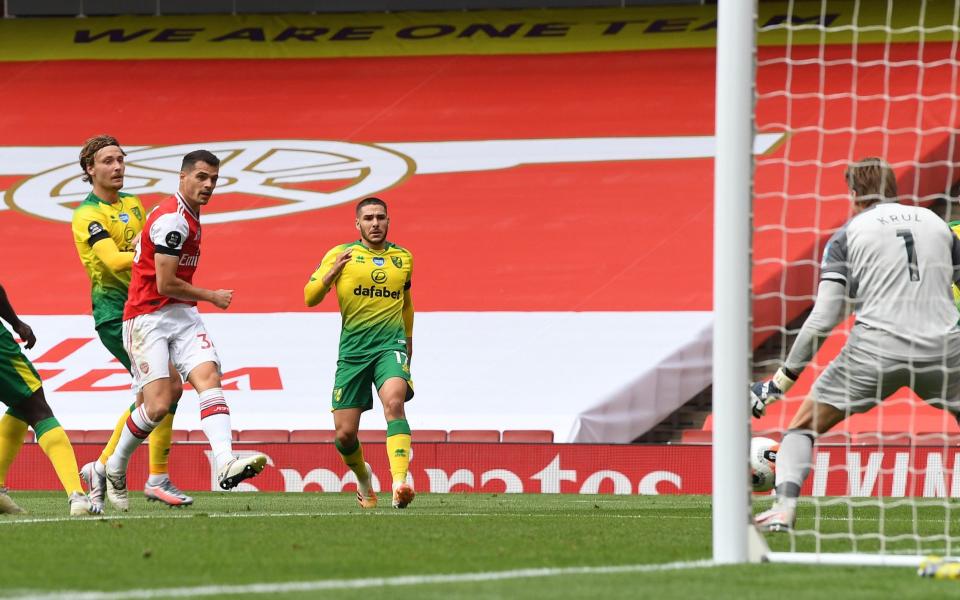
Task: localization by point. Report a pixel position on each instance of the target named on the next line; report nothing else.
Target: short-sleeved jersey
(172, 228)
(898, 263)
(95, 220)
(370, 291)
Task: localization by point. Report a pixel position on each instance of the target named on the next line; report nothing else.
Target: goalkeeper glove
(767, 392)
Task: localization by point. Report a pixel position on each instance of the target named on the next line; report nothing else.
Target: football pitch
(305, 545)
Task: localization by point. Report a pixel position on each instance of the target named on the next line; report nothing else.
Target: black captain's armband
(97, 233)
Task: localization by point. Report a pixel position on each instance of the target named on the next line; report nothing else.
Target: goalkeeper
(893, 262)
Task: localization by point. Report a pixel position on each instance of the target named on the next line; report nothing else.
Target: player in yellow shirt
(22, 391)
(106, 227)
(372, 280)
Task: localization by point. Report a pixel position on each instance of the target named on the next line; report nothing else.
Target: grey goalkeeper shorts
(857, 379)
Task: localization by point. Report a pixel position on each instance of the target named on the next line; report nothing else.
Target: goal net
(843, 80)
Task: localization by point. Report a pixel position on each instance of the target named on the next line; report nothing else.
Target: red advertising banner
(895, 471)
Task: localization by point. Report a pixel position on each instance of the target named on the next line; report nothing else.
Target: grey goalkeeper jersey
(898, 263)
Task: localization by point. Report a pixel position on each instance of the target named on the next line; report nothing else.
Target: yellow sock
(12, 431)
(398, 448)
(115, 438)
(353, 458)
(56, 445)
(160, 440)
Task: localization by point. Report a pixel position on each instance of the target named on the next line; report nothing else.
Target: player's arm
(87, 227)
(829, 309)
(10, 316)
(107, 251)
(408, 320)
(169, 284)
(408, 311)
(168, 234)
(325, 276)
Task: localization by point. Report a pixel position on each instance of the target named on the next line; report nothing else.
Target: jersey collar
(186, 206)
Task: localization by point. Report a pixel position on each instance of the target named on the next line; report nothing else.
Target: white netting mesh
(845, 80)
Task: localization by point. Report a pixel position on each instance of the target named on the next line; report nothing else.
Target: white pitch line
(365, 515)
(351, 584)
(11, 521)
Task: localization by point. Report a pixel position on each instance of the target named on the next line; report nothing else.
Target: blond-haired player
(106, 227)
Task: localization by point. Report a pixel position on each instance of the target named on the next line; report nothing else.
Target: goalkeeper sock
(55, 444)
(115, 437)
(793, 463)
(353, 458)
(12, 430)
(398, 448)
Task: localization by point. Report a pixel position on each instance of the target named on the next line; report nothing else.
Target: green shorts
(354, 378)
(111, 334)
(18, 379)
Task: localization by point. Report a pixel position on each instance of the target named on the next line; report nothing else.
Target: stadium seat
(536, 436)
(429, 435)
(376, 436)
(936, 438)
(96, 436)
(264, 435)
(28, 437)
(883, 438)
(473, 435)
(75, 435)
(197, 435)
(312, 435)
(180, 435)
(696, 436)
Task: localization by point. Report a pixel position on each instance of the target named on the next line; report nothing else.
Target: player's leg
(158, 486)
(146, 341)
(351, 397)
(13, 428)
(22, 390)
(194, 354)
(56, 445)
(853, 383)
(392, 377)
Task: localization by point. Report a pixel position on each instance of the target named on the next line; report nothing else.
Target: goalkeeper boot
(80, 505)
(239, 469)
(96, 483)
(366, 497)
(117, 489)
(402, 494)
(7, 505)
(780, 517)
(167, 493)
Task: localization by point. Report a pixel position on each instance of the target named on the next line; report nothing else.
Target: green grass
(242, 539)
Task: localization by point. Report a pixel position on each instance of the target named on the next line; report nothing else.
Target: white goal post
(841, 79)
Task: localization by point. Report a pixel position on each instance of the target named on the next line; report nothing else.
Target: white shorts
(174, 334)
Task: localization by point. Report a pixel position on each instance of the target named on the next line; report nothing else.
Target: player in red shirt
(161, 326)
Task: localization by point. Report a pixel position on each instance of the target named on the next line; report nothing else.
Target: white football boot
(96, 483)
(239, 469)
(7, 505)
(81, 506)
(117, 490)
(167, 493)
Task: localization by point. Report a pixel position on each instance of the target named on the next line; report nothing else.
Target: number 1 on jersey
(912, 267)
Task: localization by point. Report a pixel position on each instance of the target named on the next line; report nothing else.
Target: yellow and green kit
(18, 379)
(121, 221)
(373, 291)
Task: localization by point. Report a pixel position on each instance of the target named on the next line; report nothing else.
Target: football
(763, 463)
